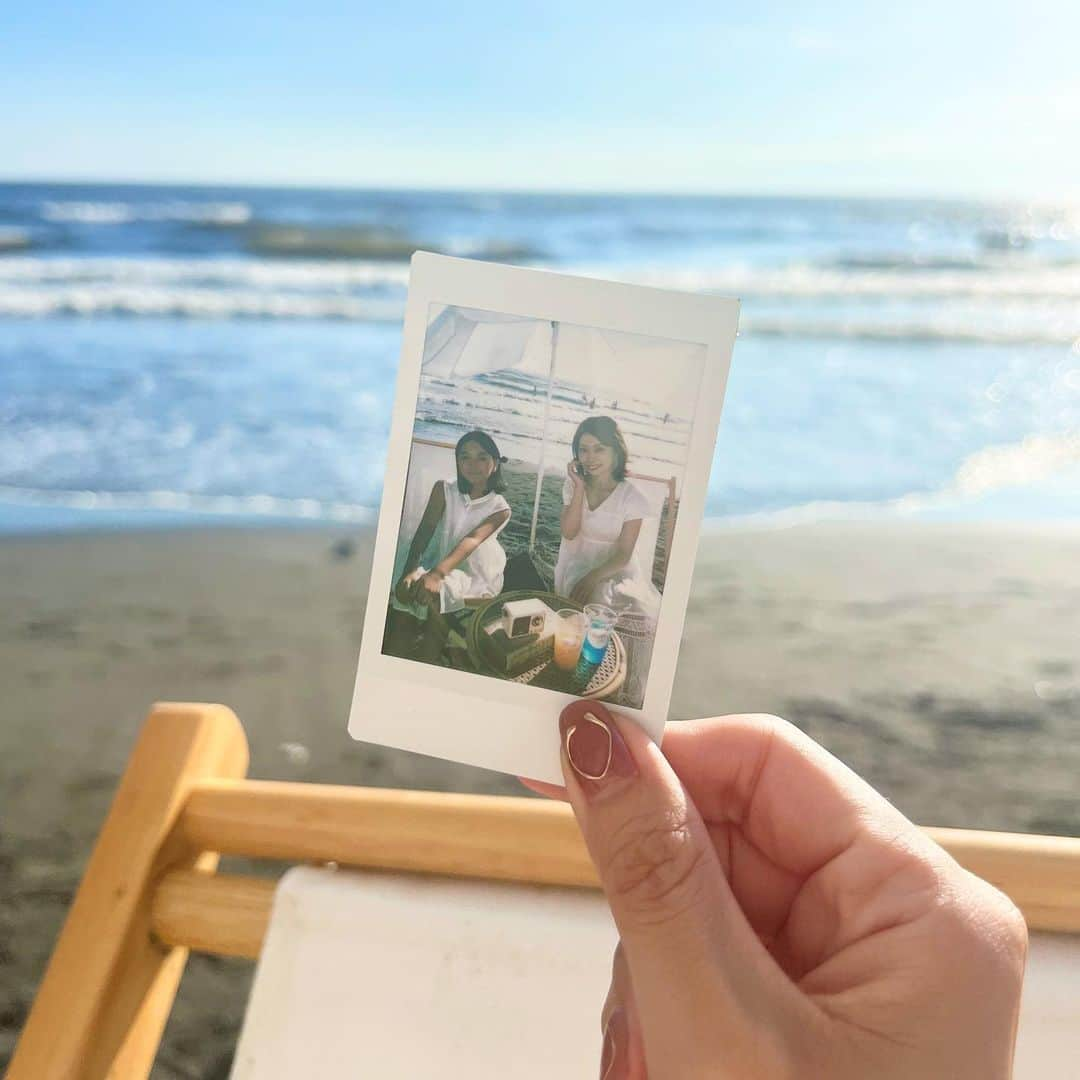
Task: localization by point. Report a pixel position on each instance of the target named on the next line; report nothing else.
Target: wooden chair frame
(150, 892)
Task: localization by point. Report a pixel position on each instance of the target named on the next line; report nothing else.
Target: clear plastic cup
(600, 619)
(569, 635)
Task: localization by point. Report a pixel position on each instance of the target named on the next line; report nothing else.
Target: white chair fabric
(387, 976)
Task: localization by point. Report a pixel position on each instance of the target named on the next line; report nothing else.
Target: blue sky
(954, 97)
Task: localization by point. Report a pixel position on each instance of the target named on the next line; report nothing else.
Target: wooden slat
(1041, 874)
(528, 840)
(111, 981)
(500, 838)
(229, 915)
(109, 986)
(224, 914)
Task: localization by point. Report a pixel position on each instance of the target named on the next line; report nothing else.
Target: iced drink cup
(599, 622)
(569, 634)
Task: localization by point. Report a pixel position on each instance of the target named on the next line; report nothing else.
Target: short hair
(607, 432)
(486, 443)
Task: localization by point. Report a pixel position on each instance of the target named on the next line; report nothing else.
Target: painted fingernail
(595, 749)
(613, 1053)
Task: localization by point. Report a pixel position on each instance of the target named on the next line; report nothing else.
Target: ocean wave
(796, 282)
(79, 212)
(201, 288)
(1039, 462)
(789, 303)
(1023, 464)
(369, 242)
(924, 332)
(12, 239)
(224, 273)
(193, 303)
(143, 301)
(1048, 464)
(180, 502)
(330, 242)
(908, 262)
(815, 282)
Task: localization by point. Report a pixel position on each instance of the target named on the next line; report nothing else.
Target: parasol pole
(544, 436)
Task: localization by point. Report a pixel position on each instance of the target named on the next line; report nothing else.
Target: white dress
(480, 576)
(631, 588)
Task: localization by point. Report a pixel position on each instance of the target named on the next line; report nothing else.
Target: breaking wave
(180, 503)
(12, 239)
(942, 329)
(1035, 462)
(122, 213)
(1048, 464)
(194, 303)
(1001, 307)
(816, 282)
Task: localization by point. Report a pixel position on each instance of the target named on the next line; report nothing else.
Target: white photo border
(466, 717)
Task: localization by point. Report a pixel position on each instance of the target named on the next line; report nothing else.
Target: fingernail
(613, 1054)
(595, 749)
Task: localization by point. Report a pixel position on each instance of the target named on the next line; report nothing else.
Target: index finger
(795, 802)
(790, 797)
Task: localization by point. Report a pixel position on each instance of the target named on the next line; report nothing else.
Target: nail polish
(595, 749)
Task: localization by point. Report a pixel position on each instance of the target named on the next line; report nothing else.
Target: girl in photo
(600, 524)
(455, 557)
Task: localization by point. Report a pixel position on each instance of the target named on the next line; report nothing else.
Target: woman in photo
(601, 521)
(455, 556)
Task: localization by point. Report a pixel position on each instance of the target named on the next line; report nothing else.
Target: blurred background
(205, 221)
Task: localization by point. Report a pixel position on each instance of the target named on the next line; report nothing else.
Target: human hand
(404, 588)
(574, 474)
(431, 582)
(777, 916)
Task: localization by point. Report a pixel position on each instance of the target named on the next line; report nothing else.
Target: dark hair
(486, 443)
(607, 432)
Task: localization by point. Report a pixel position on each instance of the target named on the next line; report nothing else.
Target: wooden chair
(150, 892)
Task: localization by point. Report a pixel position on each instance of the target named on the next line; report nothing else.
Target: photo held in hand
(548, 463)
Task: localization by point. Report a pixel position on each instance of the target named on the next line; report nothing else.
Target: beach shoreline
(937, 660)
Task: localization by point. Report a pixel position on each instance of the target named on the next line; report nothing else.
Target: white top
(481, 574)
(631, 587)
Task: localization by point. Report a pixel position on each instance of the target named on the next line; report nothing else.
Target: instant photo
(548, 463)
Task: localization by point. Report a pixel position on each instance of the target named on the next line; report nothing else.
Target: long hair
(607, 432)
(486, 443)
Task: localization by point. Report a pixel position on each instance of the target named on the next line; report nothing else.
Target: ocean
(192, 354)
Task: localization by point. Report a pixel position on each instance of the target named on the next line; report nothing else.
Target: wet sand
(938, 661)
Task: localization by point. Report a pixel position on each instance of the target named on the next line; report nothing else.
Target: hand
(572, 472)
(404, 588)
(431, 582)
(777, 917)
(582, 592)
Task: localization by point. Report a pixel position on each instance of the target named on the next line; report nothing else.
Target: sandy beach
(938, 661)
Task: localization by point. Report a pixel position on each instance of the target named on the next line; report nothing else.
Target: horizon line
(563, 192)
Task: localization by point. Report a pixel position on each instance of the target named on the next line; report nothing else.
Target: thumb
(704, 984)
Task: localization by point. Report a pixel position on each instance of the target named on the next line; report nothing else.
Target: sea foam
(122, 213)
(1040, 306)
